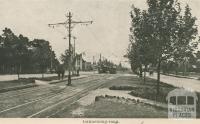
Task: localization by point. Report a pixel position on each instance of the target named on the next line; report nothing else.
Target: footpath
(182, 82)
(180, 76)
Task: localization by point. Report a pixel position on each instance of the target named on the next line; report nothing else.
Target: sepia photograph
(100, 61)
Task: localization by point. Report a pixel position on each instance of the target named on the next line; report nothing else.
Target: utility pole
(74, 55)
(93, 64)
(69, 63)
(68, 24)
(93, 60)
(100, 58)
(74, 46)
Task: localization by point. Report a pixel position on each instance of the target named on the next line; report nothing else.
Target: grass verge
(105, 108)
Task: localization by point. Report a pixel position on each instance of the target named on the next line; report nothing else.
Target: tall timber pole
(68, 24)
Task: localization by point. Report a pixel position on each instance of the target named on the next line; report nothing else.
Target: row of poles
(68, 24)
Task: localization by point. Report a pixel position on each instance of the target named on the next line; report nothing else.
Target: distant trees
(161, 34)
(65, 58)
(197, 60)
(133, 56)
(42, 55)
(20, 55)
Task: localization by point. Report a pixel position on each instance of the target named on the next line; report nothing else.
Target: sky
(107, 35)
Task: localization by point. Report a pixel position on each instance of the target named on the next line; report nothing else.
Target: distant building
(79, 62)
(95, 66)
(82, 64)
(87, 66)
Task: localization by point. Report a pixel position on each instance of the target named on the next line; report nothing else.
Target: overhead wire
(89, 29)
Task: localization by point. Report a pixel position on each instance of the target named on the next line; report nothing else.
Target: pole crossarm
(55, 24)
(83, 22)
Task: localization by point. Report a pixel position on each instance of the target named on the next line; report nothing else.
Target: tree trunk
(145, 74)
(176, 71)
(3, 69)
(18, 75)
(158, 79)
(20, 68)
(140, 75)
(42, 75)
(185, 70)
(18, 71)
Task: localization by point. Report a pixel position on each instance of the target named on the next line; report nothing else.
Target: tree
(19, 55)
(133, 57)
(141, 34)
(2, 55)
(41, 55)
(10, 45)
(65, 58)
(159, 30)
(135, 37)
(21, 52)
(163, 16)
(186, 38)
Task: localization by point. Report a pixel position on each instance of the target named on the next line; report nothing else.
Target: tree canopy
(20, 55)
(164, 33)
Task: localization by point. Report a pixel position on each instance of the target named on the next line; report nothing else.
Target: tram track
(17, 107)
(31, 90)
(44, 113)
(10, 101)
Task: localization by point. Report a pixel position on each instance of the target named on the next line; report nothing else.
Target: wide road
(190, 84)
(44, 100)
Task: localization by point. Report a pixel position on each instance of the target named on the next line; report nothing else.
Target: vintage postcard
(100, 61)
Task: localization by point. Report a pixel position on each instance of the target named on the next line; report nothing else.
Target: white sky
(107, 35)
